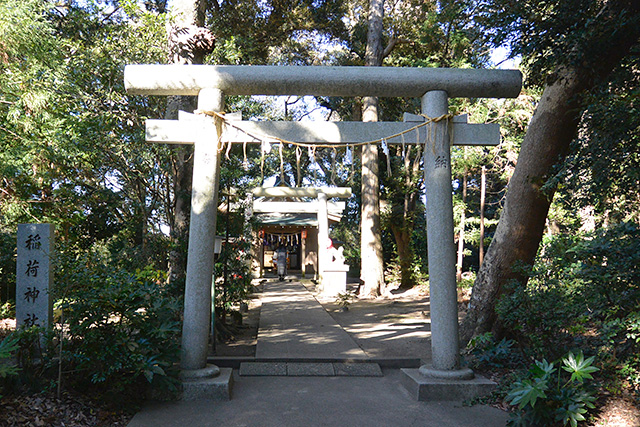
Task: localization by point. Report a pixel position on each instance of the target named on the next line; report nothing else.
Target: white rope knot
(431, 138)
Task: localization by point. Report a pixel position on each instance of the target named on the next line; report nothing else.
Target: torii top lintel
(321, 80)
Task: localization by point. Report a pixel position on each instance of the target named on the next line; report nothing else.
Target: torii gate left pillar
(201, 380)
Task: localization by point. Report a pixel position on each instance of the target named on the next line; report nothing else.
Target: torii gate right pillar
(440, 242)
(443, 379)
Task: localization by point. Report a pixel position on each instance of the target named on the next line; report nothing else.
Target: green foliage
(233, 274)
(393, 272)
(275, 32)
(467, 281)
(601, 174)
(7, 267)
(344, 300)
(485, 352)
(7, 310)
(579, 367)
(232, 270)
(68, 129)
(35, 358)
(583, 292)
(545, 398)
(7, 347)
(551, 33)
(121, 329)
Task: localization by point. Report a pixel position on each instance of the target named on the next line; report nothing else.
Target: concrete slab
(357, 369)
(263, 369)
(423, 388)
(310, 369)
(319, 401)
(217, 388)
(398, 362)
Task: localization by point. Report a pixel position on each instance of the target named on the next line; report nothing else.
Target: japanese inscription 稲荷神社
(34, 275)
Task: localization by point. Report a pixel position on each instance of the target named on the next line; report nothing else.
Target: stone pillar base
(210, 383)
(334, 281)
(445, 387)
(457, 374)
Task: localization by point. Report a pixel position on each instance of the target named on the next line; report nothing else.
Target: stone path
(294, 326)
(297, 337)
(318, 401)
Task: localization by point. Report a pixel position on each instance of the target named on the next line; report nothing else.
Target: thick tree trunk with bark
(402, 236)
(188, 44)
(546, 143)
(522, 222)
(483, 190)
(402, 222)
(372, 270)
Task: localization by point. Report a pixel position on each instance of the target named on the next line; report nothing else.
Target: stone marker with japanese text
(34, 276)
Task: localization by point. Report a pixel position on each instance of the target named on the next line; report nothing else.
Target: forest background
(73, 154)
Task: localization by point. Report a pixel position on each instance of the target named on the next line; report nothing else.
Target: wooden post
(462, 224)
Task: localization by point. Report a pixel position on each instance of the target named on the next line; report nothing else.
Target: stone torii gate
(433, 86)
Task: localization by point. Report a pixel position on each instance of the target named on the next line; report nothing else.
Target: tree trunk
(545, 145)
(188, 44)
(483, 190)
(372, 270)
(461, 235)
(402, 236)
(402, 223)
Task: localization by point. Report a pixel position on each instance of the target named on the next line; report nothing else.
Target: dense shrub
(584, 292)
(485, 352)
(8, 347)
(233, 275)
(121, 330)
(7, 265)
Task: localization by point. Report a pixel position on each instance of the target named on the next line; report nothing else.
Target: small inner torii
(435, 128)
(305, 224)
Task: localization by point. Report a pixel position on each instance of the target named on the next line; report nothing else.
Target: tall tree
(434, 34)
(604, 33)
(372, 267)
(402, 192)
(189, 42)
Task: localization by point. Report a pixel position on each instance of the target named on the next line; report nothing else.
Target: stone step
(384, 362)
(307, 369)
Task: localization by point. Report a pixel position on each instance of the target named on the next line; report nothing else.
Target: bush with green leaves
(548, 396)
(344, 300)
(584, 292)
(233, 275)
(8, 368)
(486, 352)
(121, 329)
(7, 310)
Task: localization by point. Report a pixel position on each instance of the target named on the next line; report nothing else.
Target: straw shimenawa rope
(221, 121)
(221, 118)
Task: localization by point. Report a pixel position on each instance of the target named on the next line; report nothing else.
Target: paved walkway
(293, 326)
(319, 401)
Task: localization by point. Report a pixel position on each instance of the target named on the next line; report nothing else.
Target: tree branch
(393, 42)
